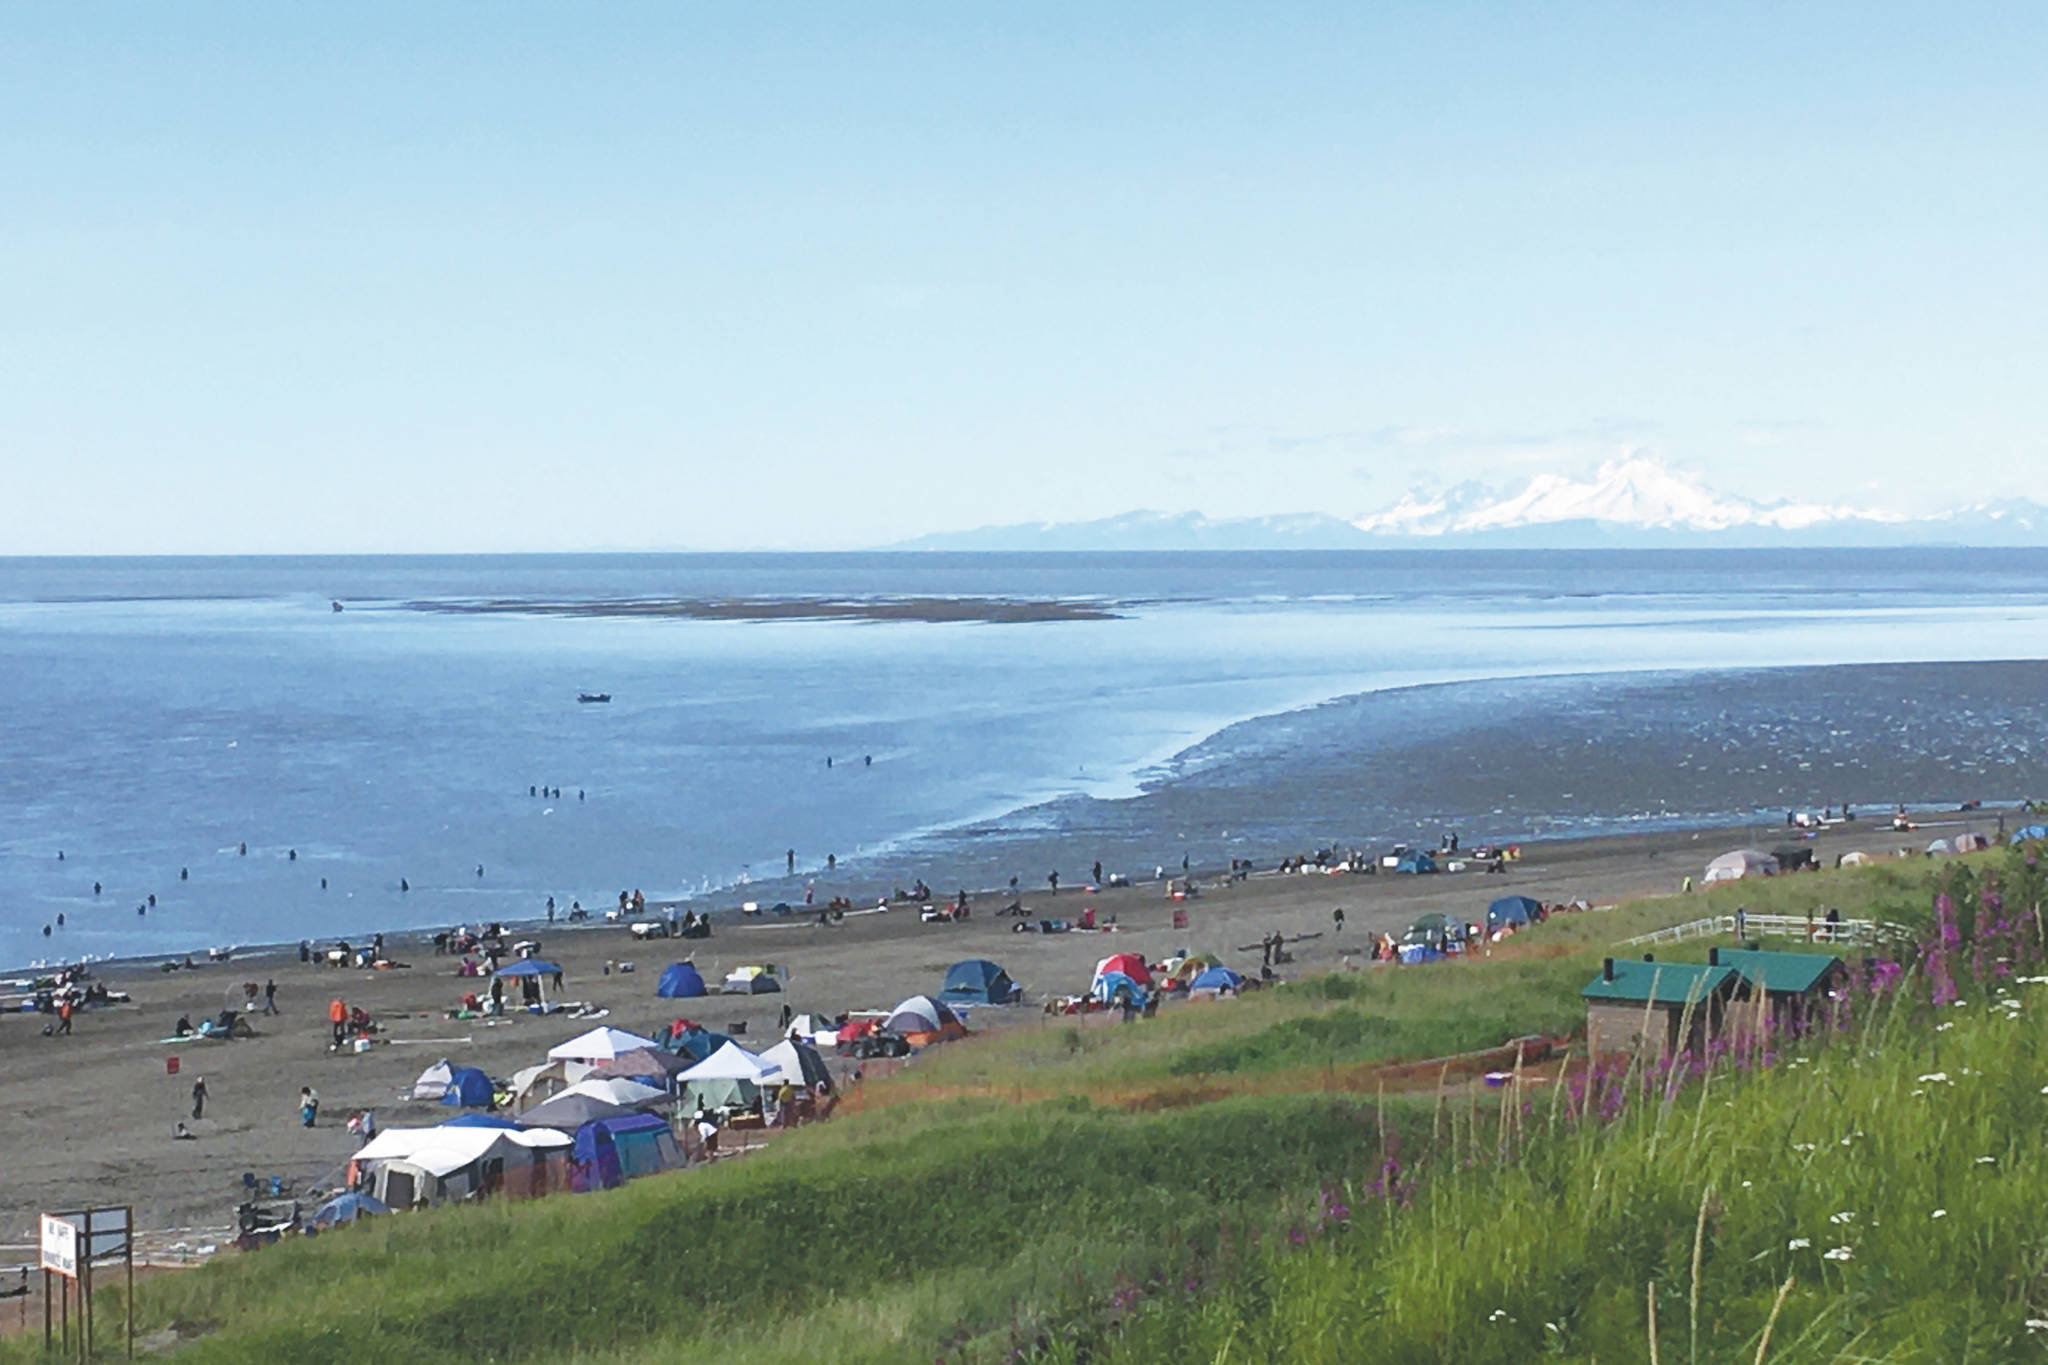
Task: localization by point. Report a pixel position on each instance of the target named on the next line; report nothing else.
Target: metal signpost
(70, 1245)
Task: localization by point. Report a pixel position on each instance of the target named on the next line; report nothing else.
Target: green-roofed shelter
(1790, 973)
(1662, 1005)
(1795, 984)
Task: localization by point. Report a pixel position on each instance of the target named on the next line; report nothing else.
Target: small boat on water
(593, 696)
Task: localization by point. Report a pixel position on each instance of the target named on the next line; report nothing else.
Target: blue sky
(424, 277)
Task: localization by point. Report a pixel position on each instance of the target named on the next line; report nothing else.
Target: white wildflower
(1496, 1315)
(1838, 1253)
(1943, 1028)
(1933, 1076)
(1987, 1161)
(1799, 1244)
(1922, 1092)
(1745, 1184)
(1803, 1147)
(1845, 1216)
(1939, 1213)
(2037, 1325)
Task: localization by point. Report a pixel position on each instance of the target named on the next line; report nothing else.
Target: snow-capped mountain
(1631, 503)
(1637, 492)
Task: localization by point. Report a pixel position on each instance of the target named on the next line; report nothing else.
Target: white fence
(1814, 930)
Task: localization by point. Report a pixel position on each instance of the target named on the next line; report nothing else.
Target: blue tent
(642, 1144)
(346, 1208)
(977, 981)
(594, 1159)
(480, 1121)
(530, 966)
(695, 1042)
(1113, 987)
(1512, 910)
(1216, 979)
(680, 982)
(468, 1087)
(1415, 862)
(2030, 832)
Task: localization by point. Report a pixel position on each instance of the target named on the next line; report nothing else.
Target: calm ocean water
(160, 714)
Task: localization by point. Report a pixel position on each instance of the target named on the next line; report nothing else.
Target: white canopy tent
(405, 1144)
(409, 1165)
(601, 1044)
(1742, 862)
(731, 1063)
(616, 1090)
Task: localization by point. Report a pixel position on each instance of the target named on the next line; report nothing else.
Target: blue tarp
(529, 966)
(1216, 979)
(480, 1121)
(1512, 910)
(680, 982)
(977, 981)
(346, 1208)
(2031, 832)
(468, 1087)
(594, 1159)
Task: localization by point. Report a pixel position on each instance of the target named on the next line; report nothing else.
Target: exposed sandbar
(1007, 610)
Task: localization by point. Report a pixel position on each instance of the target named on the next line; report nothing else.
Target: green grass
(1932, 1186)
(1005, 1213)
(903, 1228)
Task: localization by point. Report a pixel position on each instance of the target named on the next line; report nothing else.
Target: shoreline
(1438, 728)
(1930, 820)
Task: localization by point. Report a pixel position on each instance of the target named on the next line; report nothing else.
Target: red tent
(1130, 964)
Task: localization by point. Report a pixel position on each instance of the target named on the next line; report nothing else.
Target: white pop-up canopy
(450, 1141)
(601, 1045)
(615, 1090)
(731, 1063)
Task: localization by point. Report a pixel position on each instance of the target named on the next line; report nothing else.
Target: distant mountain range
(1636, 503)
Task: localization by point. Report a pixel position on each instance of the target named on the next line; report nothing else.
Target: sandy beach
(92, 1114)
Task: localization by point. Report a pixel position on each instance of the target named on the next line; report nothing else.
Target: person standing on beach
(1053, 880)
(1095, 873)
(1337, 918)
(198, 1099)
(789, 859)
(337, 1015)
(270, 996)
(309, 1105)
(64, 1014)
